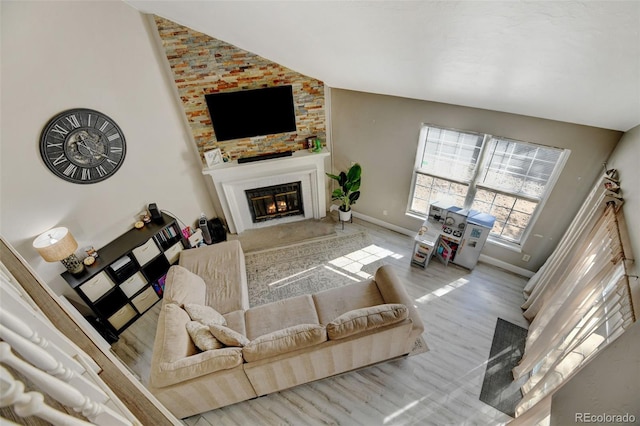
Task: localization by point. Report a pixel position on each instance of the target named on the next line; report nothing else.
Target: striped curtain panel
(578, 302)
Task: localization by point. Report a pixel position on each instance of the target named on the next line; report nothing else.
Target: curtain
(534, 291)
(578, 302)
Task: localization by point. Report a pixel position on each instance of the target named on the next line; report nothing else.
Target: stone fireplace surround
(232, 179)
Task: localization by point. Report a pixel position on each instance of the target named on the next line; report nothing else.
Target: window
(505, 178)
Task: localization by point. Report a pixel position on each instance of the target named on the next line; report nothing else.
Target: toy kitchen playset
(452, 234)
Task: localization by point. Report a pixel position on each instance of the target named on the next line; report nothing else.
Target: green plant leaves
(349, 183)
(354, 173)
(337, 194)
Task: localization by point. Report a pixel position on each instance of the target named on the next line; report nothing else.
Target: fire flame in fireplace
(279, 206)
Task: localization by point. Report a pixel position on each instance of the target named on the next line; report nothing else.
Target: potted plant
(349, 190)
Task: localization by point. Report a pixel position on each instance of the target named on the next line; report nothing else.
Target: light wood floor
(440, 387)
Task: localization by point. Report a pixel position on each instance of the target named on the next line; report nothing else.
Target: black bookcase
(127, 278)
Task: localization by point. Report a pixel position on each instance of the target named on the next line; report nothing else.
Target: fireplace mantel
(232, 179)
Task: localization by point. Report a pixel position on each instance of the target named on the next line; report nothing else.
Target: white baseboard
(399, 229)
(483, 258)
(506, 266)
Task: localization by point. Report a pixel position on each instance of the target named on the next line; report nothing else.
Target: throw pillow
(204, 314)
(283, 341)
(183, 286)
(228, 336)
(363, 319)
(202, 337)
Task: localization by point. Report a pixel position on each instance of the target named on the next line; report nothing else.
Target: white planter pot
(345, 216)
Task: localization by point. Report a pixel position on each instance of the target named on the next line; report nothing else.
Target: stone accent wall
(202, 65)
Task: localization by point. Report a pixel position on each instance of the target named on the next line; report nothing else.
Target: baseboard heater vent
(265, 157)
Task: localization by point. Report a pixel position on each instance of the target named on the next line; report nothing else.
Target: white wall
(626, 159)
(99, 55)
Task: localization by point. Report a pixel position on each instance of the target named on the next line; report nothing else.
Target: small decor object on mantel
(213, 157)
(310, 142)
(314, 144)
(317, 145)
(349, 190)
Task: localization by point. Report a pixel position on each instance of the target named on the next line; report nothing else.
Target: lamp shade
(55, 244)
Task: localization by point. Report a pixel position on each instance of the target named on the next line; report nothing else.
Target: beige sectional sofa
(284, 344)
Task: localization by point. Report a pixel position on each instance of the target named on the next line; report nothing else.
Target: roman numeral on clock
(86, 174)
(101, 171)
(104, 126)
(70, 170)
(60, 130)
(59, 160)
(73, 121)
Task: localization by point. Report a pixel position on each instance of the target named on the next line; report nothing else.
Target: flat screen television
(248, 113)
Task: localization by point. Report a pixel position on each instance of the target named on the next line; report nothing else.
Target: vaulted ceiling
(571, 61)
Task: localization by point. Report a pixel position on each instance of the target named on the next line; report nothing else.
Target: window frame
(474, 185)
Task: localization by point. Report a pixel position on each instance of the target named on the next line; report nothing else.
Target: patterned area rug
(314, 266)
(285, 234)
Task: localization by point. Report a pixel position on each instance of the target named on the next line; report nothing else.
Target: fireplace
(232, 181)
(276, 201)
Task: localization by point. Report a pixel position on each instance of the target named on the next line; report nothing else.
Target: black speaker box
(217, 230)
(156, 216)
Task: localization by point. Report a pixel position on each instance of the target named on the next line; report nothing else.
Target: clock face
(82, 146)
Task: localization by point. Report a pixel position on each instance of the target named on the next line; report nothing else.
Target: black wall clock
(82, 146)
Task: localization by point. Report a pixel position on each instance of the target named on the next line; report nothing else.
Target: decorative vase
(344, 216)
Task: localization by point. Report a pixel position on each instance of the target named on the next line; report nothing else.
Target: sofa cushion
(202, 337)
(182, 287)
(393, 291)
(282, 341)
(173, 339)
(227, 335)
(235, 321)
(204, 314)
(200, 364)
(364, 319)
(270, 317)
(222, 267)
(336, 301)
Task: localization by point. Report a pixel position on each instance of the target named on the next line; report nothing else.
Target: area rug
(285, 234)
(311, 266)
(498, 387)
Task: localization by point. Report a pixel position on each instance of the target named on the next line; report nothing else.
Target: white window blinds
(518, 168)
